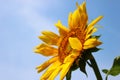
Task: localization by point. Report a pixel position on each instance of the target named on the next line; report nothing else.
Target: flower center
(64, 48)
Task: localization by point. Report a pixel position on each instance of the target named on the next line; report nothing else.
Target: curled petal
(75, 43)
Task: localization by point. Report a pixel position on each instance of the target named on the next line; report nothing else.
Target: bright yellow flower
(71, 42)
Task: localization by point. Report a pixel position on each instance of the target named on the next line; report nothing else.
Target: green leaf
(105, 71)
(115, 69)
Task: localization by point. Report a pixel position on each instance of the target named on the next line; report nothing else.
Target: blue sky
(21, 22)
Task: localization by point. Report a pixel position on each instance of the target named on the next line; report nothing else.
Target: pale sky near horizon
(21, 22)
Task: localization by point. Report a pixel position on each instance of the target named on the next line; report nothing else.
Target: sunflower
(69, 45)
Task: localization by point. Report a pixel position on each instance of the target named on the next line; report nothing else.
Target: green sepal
(95, 36)
(82, 66)
(83, 60)
(95, 49)
(68, 75)
(74, 66)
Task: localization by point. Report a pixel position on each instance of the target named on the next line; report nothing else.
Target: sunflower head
(72, 43)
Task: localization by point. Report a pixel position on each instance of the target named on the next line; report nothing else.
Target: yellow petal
(46, 64)
(91, 43)
(75, 43)
(64, 70)
(76, 19)
(49, 37)
(49, 40)
(83, 7)
(46, 75)
(70, 24)
(55, 73)
(95, 21)
(72, 56)
(41, 46)
(90, 33)
(84, 16)
(68, 62)
(62, 29)
(93, 30)
(50, 70)
(91, 25)
(79, 17)
(59, 41)
(46, 50)
(46, 40)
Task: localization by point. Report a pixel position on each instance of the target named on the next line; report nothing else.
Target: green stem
(95, 68)
(106, 77)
